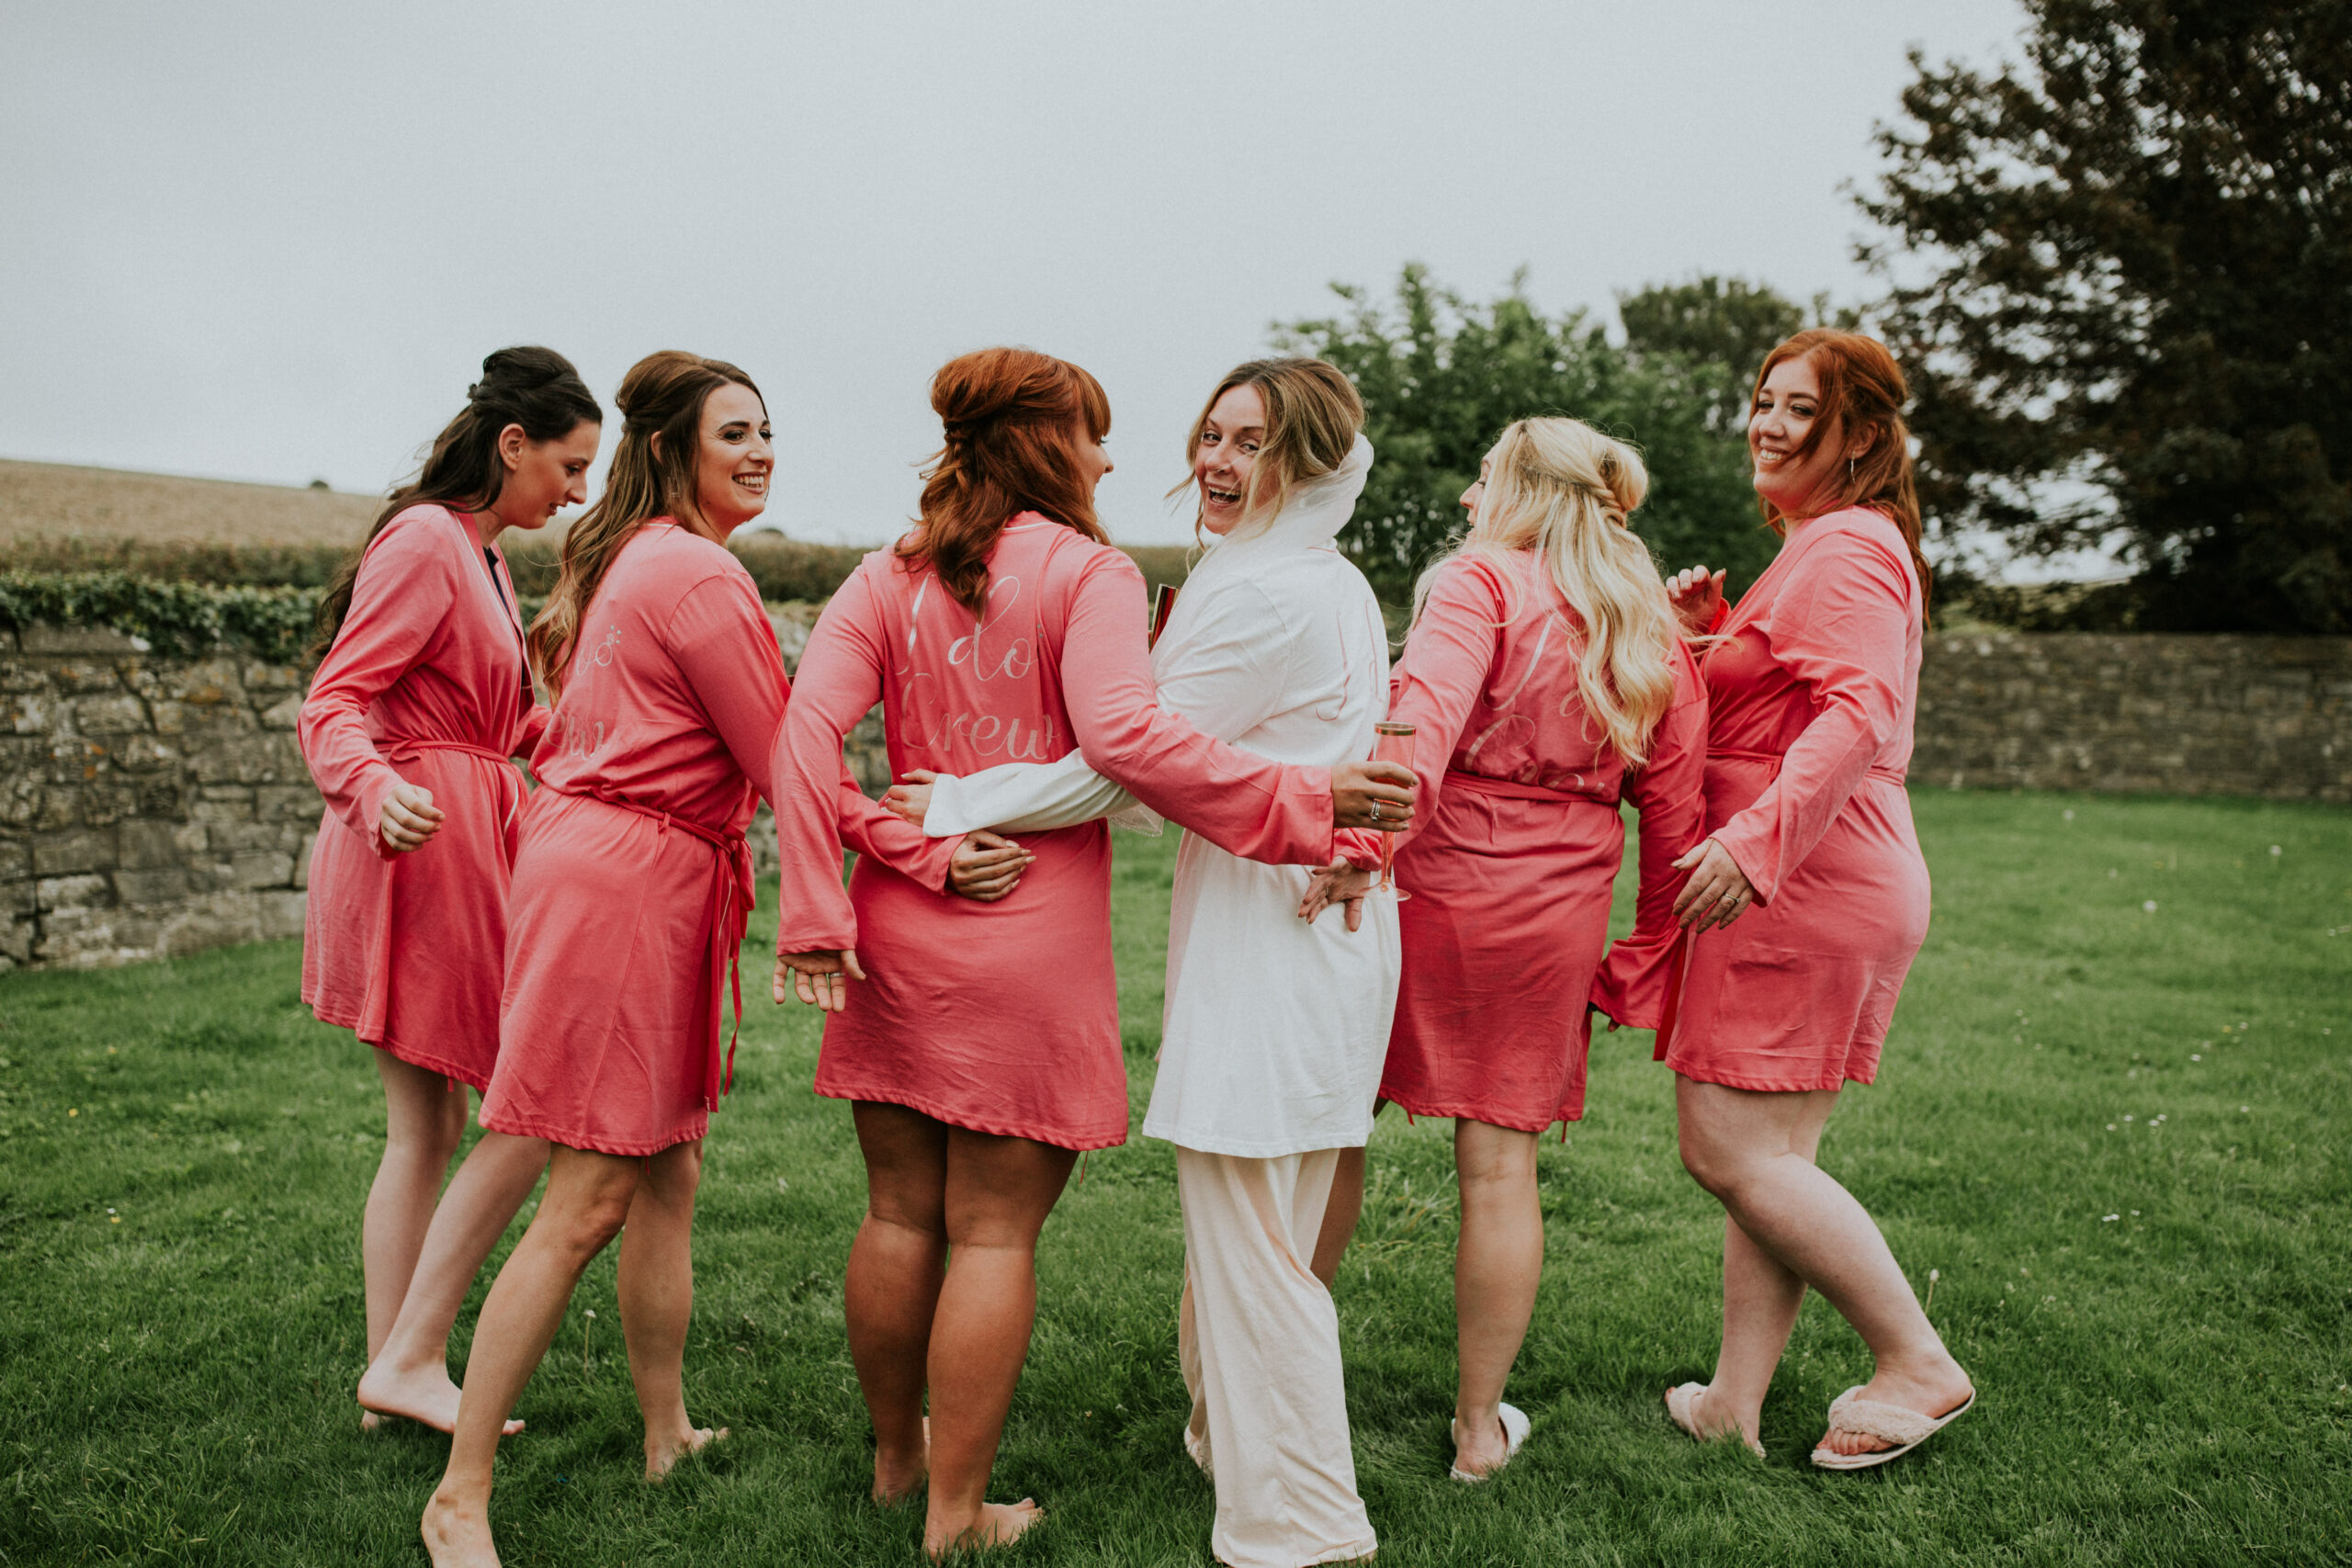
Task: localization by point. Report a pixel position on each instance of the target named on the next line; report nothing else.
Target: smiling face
(1225, 455)
(733, 459)
(1800, 483)
(1093, 457)
(543, 476)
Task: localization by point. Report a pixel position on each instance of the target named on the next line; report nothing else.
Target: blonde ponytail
(1561, 488)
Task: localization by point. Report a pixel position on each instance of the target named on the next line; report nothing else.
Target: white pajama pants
(1260, 1342)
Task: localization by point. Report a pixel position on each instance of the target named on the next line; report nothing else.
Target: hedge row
(182, 618)
(785, 569)
(275, 621)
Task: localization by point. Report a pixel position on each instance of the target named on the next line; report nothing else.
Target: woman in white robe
(1276, 1028)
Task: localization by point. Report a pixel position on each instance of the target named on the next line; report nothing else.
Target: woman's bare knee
(1493, 1159)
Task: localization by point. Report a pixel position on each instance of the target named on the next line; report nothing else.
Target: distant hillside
(52, 501)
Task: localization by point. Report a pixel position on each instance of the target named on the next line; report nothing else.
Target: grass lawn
(2113, 1120)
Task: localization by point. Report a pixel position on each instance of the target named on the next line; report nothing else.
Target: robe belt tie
(409, 748)
(1479, 783)
(726, 916)
(1774, 758)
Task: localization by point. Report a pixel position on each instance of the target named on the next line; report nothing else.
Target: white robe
(1275, 1031)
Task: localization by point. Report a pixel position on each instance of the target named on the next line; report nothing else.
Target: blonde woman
(1546, 682)
(1274, 1030)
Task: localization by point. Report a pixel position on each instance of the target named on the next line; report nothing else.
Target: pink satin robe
(1515, 852)
(623, 923)
(1813, 687)
(424, 683)
(1003, 1018)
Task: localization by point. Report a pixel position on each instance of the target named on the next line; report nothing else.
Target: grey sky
(273, 241)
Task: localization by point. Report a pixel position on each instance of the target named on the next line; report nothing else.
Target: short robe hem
(1493, 1116)
(571, 1138)
(1238, 1149)
(1863, 1072)
(448, 1067)
(1078, 1142)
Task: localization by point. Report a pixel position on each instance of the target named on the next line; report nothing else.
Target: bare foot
(897, 1477)
(662, 1455)
(1480, 1447)
(423, 1394)
(1707, 1425)
(457, 1535)
(997, 1524)
(1932, 1391)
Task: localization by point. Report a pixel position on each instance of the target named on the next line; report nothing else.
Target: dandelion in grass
(2148, 908)
(2109, 1219)
(585, 1324)
(1933, 1275)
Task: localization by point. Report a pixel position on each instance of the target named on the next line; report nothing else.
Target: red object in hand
(1163, 605)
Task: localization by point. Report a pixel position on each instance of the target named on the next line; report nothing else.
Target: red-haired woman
(982, 1054)
(1813, 683)
(422, 697)
(629, 897)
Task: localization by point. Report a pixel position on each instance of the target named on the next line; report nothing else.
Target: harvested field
(53, 501)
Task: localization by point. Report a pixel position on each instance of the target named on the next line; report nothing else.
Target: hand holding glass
(1391, 743)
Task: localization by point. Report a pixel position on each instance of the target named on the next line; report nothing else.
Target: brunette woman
(1813, 683)
(1275, 1031)
(422, 697)
(630, 893)
(1546, 684)
(983, 1054)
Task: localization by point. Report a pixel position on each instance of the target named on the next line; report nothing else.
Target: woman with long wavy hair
(1808, 899)
(1547, 685)
(981, 1049)
(1274, 1031)
(421, 699)
(631, 894)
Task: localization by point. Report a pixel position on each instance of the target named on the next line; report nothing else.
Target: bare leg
(1339, 1217)
(1495, 1271)
(895, 1267)
(588, 1199)
(1755, 1153)
(410, 1375)
(424, 1120)
(657, 1303)
(998, 1192)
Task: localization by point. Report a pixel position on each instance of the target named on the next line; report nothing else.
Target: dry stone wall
(151, 807)
(2253, 716)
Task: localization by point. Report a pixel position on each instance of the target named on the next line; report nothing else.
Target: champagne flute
(1392, 743)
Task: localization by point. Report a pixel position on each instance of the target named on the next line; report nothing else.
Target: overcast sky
(273, 241)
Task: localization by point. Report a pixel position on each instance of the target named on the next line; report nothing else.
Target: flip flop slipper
(1679, 1401)
(1888, 1423)
(1515, 1429)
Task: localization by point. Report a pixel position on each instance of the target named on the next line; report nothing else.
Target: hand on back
(1697, 598)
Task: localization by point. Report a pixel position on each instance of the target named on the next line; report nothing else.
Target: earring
(1849, 470)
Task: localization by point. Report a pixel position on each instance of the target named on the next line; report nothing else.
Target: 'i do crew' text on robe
(1003, 1018)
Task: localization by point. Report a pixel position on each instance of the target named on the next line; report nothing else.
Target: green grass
(183, 1153)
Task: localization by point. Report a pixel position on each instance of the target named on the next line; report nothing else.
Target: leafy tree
(1440, 377)
(2126, 262)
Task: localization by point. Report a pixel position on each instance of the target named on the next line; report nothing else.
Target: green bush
(181, 618)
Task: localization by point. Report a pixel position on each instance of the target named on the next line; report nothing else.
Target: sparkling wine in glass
(1391, 743)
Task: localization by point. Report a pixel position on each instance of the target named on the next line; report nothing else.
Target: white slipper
(1679, 1400)
(1515, 1425)
(1888, 1423)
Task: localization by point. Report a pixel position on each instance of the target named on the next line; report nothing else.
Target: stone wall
(150, 808)
(2250, 715)
(155, 806)
(147, 806)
